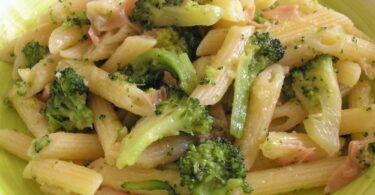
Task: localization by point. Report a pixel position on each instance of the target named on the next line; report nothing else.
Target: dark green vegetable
(215, 167)
(66, 106)
(34, 52)
(149, 185)
(38, 145)
(260, 52)
(148, 69)
(162, 13)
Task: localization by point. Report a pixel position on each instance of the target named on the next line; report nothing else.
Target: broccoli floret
(315, 85)
(177, 113)
(181, 39)
(214, 167)
(162, 13)
(34, 52)
(149, 185)
(261, 51)
(66, 105)
(148, 69)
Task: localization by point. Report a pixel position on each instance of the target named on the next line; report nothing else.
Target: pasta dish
(202, 97)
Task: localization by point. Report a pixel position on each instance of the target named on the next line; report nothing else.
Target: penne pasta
(67, 146)
(28, 108)
(16, 143)
(114, 178)
(263, 98)
(40, 75)
(348, 73)
(356, 120)
(229, 53)
(129, 50)
(121, 94)
(48, 190)
(212, 42)
(361, 95)
(287, 116)
(107, 126)
(65, 175)
(65, 37)
(293, 177)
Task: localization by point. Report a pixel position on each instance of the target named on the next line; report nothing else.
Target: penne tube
(287, 116)
(28, 108)
(263, 98)
(361, 95)
(291, 32)
(107, 126)
(70, 177)
(348, 73)
(357, 120)
(200, 65)
(128, 51)
(164, 151)
(224, 61)
(40, 75)
(16, 143)
(212, 42)
(48, 190)
(120, 93)
(67, 146)
(288, 148)
(293, 177)
(114, 178)
(77, 51)
(297, 55)
(65, 37)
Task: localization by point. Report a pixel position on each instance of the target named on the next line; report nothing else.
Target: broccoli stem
(187, 15)
(149, 185)
(247, 71)
(146, 132)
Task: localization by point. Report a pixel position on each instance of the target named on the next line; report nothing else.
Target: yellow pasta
(108, 44)
(122, 94)
(63, 9)
(64, 37)
(77, 51)
(263, 98)
(212, 42)
(48, 190)
(291, 32)
(107, 126)
(40, 75)
(164, 151)
(297, 55)
(65, 175)
(361, 95)
(67, 146)
(28, 108)
(294, 177)
(233, 10)
(16, 143)
(114, 178)
(348, 73)
(264, 4)
(200, 65)
(295, 147)
(357, 120)
(229, 53)
(129, 50)
(287, 116)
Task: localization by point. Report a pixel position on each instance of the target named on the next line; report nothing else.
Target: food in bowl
(193, 97)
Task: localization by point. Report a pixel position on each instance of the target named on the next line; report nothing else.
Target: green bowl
(17, 16)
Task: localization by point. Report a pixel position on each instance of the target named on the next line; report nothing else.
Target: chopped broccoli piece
(38, 145)
(177, 113)
(66, 106)
(148, 69)
(149, 185)
(287, 89)
(34, 52)
(181, 39)
(260, 52)
(161, 13)
(78, 21)
(315, 85)
(21, 88)
(214, 167)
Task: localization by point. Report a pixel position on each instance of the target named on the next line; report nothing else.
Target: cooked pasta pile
(192, 97)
